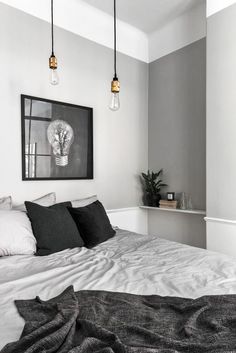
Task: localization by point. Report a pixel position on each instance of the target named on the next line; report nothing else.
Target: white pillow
(84, 202)
(6, 203)
(16, 236)
(46, 201)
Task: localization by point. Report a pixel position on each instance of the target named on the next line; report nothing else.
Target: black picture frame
(170, 196)
(76, 123)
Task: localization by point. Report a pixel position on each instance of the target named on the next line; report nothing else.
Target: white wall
(221, 127)
(86, 69)
(179, 33)
(133, 219)
(214, 6)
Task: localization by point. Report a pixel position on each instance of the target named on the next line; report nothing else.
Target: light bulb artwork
(60, 135)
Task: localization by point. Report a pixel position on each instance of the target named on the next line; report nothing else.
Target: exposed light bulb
(115, 84)
(54, 78)
(115, 102)
(61, 136)
(115, 99)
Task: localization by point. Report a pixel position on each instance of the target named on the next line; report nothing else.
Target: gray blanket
(105, 322)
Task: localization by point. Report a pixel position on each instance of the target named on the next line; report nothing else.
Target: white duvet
(129, 262)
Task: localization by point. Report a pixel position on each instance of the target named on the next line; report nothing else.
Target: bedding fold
(112, 322)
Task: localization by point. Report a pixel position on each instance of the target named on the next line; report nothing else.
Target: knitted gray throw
(105, 322)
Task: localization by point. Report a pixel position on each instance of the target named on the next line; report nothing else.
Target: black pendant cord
(52, 27)
(115, 73)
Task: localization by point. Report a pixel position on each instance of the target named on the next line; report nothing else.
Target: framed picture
(170, 196)
(57, 140)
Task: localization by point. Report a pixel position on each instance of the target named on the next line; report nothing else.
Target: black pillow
(53, 228)
(93, 224)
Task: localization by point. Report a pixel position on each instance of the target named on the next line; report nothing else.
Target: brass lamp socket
(115, 86)
(53, 62)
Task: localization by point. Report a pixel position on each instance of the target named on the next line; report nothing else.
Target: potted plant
(152, 185)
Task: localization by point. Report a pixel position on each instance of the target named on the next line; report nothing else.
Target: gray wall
(86, 69)
(221, 114)
(177, 137)
(188, 229)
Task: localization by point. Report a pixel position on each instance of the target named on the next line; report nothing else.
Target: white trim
(176, 210)
(221, 235)
(118, 210)
(91, 23)
(85, 20)
(179, 33)
(132, 218)
(220, 220)
(214, 6)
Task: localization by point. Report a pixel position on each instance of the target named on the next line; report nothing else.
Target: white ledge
(219, 220)
(127, 209)
(176, 210)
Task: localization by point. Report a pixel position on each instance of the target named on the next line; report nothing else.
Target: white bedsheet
(129, 262)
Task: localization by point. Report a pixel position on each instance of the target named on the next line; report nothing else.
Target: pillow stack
(43, 227)
(62, 226)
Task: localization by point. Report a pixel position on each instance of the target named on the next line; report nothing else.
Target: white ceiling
(94, 24)
(146, 15)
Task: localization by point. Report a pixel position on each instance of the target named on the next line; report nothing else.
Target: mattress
(129, 262)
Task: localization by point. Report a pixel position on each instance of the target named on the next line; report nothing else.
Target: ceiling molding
(181, 32)
(93, 24)
(149, 16)
(214, 6)
(88, 22)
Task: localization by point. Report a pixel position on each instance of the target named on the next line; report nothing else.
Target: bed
(129, 262)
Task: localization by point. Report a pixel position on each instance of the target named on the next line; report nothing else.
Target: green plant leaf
(151, 182)
(160, 172)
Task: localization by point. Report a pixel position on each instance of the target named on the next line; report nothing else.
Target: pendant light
(115, 84)
(54, 78)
